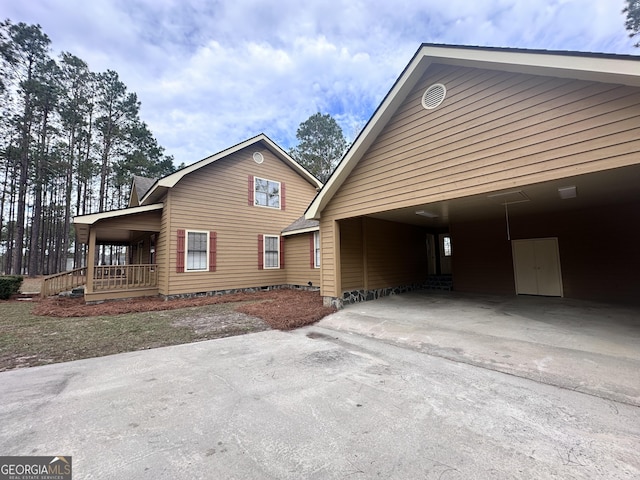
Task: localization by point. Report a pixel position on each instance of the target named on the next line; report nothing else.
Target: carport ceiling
(610, 187)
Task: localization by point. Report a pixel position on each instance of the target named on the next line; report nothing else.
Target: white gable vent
(434, 96)
(258, 157)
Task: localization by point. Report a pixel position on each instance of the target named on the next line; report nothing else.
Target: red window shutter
(283, 196)
(260, 252)
(180, 252)
(213, 250)
(312, 251)
(251, 190)
(281, 251)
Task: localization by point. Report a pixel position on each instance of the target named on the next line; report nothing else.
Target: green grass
(29, 340)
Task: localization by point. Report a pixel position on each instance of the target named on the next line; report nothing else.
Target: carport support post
(337, 266)
(365, 266)
(91, 261)
(330, 288)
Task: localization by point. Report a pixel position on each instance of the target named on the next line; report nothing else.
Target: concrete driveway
(584, 346)
(318, 403)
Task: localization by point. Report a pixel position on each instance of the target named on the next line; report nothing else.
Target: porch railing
(124, 277)
(63, 282)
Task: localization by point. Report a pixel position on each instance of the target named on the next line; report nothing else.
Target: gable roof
(160, 187)
(140, 186)
(598, 67)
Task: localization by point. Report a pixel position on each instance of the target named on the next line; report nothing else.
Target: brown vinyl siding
(330, 255)
(351, 254)
(481, 260)
(377, 254)
(298, 261)
(493, 131)
(146, 242)
(215, 199)
(598, 249)
(396, 254)
(594, 255)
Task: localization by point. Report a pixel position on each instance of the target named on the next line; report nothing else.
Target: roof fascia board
(133, 191)
(164, 184)
(94, 217)
(401, 88)
(302, 230)
(598, 68)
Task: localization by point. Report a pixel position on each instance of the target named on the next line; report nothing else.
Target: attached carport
(589, 222)
(514, 171)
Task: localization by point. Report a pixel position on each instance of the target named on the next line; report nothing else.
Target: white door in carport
(536, 264)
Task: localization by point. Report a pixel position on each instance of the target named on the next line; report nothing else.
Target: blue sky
(211, 73)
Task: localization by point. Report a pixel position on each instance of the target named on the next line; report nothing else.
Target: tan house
(501, 171)
(214, 226)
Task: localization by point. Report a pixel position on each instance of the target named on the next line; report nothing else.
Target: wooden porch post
(91, 258)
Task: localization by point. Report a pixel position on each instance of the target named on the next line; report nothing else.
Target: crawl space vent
(434, 96)
(258, 157)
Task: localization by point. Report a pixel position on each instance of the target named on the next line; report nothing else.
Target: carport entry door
(536, 265)
(431, 254)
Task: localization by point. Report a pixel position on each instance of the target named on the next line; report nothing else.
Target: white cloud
(213, 73)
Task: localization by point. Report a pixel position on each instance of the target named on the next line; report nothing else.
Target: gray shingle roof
(301, 224)
(142, 184)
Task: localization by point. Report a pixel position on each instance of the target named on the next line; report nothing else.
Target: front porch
(111, 282)
(131, 271)
(108, 282)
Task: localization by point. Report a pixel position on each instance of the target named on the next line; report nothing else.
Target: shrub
(9, 284)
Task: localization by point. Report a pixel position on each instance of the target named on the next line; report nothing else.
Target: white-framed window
(266, 193)
(316, 249)
(197, 251)
(446, 246)
(271, 251)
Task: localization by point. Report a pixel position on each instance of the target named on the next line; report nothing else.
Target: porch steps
(439, 282)
(25, 296)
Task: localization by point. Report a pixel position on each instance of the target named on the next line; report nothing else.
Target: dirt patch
(222, 324)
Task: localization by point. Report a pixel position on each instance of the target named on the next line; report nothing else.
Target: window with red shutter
(281, 252)
(213, 250)
(251, 190)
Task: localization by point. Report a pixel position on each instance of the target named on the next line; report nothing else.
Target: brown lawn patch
(61, 329)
